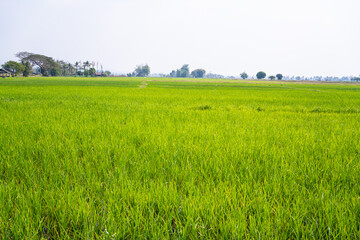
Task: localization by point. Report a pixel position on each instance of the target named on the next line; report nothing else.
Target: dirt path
(143, 84)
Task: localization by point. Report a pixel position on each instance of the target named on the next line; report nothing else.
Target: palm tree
(76, 67)
(86, 65)
(70, 68)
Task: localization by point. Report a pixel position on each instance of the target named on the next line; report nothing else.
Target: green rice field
(147, 158)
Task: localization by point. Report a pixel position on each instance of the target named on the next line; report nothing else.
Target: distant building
(4, 73)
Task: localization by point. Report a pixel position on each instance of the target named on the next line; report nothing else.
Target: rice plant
(109, 159)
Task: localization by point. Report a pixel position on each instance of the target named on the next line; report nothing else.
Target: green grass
(107, 159)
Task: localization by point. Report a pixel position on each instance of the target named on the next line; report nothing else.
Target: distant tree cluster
(31, 63)
(262, 75)
(14, 67)
(198, 73)
(37, 64)
(184, 72)
(140, 71)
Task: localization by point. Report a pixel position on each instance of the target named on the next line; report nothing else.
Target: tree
(183, 72)
(27, 69)
(77, 64)
(92, 72)
(356, 79)
(244, 75)
(173, 73)
(86, 73)
(142, 71)
(260, 75)
(54, 72)
(43, 62)
(272, 77)
(86, 65)
(14, 67)
(70, 68)
(198, 73)
(107, 73)
(146, 70)
(279, 76)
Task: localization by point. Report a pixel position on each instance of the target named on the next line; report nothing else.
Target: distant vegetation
(279, 76)
(14, 67)
(37, 64)
(183, 72)
(198, 73)
(31, 63)
(260, 75)
(140, 71)
(244, 75)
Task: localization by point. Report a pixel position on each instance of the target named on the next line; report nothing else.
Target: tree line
(183, 72)
(30, 63)
(47, 66)
(262, 75)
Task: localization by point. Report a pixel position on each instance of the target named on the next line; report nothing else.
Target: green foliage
(244, 75)
(65, 68)
(279, 76)
(45, 63)
(14, 67)
(272, 77)
(27, 69)
(198, 73)
(86, 65)
(92, 72)
(356, 79)
(77, 66)
(101, 158)
(86, 73)
(142, 71)
(183, 72)
(54, 72)
(261, 75)
(173, 73)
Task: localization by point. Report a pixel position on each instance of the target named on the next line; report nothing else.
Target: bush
(54, 72)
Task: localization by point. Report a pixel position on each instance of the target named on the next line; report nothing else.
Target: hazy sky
(293, 37)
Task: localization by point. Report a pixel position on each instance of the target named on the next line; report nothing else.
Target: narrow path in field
(143, 84)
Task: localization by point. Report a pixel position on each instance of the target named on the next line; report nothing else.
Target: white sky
(293, 37)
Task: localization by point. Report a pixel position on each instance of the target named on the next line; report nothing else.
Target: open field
(121, 158)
